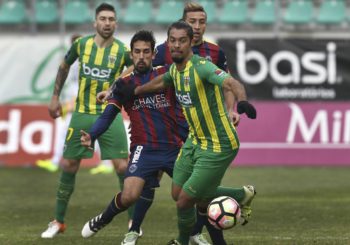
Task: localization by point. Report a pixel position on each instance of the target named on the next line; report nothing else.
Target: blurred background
(291, 55)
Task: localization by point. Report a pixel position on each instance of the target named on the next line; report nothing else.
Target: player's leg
(61, 127)
(208, 165)
(141, 207)
(185, 204)
(120, 202)
(163, 161)
(151, 162)
(114, 145)
(73, 152)
(244, 196)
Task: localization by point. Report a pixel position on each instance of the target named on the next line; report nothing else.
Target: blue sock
(216, 236)
(115, 207)
(201, 221)
(141, 207)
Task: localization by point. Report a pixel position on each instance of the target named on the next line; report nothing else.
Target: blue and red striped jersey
(208, 50)
(153, 116)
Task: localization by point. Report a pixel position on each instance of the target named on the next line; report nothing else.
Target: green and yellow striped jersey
(98, 68)
(198, 89)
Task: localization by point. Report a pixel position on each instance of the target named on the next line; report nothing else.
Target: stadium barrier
(300, 89)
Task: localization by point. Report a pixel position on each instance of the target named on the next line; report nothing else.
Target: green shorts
(113, 143)
(199, 172)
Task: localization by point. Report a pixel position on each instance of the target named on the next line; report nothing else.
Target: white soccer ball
(223, 212)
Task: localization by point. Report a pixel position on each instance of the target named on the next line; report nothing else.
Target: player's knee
(181, 204)
(71, 166)
(175, 192)
(184, 203)
(129, 198)
(174, 196)
(120, 165)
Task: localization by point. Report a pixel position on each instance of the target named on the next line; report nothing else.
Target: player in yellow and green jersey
(212, 143)
(101, 60)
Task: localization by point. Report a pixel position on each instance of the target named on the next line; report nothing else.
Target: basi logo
(320, 66)
(184, 99)
(96, 72)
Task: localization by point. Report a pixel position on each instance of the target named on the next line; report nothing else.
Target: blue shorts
(146, 162)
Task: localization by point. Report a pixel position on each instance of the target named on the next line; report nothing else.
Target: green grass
(293, 206)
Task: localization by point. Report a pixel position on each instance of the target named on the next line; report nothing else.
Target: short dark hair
(143, 35)
(180, 24)
(104, 6)
(192, 7)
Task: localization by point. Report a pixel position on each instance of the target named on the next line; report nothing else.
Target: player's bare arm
(243, 106)
(55, 108)
(230, 101)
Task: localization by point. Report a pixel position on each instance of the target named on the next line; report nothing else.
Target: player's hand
(247, 108)
(55, 107)
(103, 96)
(85, 140)
(235, 118)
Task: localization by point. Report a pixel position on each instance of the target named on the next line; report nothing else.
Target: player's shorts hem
(116, 156)
(67, 157)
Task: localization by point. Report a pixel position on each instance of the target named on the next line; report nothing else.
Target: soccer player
(102, 58)
(212, 143)
(195, 15)
(52, 164)
(155, 136)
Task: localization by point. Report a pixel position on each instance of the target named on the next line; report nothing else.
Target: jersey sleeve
(72, 53)
(159, 58)
(211, 73)
(103, 122)
(167, 78)
(222, 61)
(115, 97)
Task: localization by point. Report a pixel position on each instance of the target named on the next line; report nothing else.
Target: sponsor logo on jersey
(156, 101)
(184, 99)
(96, 73)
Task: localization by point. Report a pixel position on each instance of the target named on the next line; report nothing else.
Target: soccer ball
(223, 212)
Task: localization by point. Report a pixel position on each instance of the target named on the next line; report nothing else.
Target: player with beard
(212, 143)
(155, 136)
(195, 15)
(102, 58)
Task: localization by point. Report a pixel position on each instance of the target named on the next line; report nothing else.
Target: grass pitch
(293, 206)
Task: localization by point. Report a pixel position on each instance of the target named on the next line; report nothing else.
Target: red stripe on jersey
(213, 51)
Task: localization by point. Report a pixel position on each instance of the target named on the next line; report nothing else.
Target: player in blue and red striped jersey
(155, 136)
(203, 48)
(195, 15)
